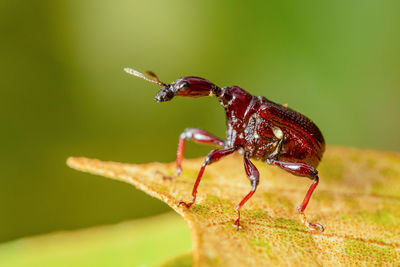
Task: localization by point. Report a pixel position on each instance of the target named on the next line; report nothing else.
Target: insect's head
(187, 86)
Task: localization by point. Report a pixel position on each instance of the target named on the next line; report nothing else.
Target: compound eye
(183, 86)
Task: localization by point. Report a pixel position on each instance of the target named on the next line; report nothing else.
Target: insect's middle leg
(305, 170)
(212, 157)
(197, 135)
(254, 177)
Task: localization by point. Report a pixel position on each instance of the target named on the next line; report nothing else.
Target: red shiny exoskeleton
(257, 128)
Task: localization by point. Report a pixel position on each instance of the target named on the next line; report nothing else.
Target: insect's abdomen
(303, 139)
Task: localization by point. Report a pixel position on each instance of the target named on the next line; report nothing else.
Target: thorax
(247, 130)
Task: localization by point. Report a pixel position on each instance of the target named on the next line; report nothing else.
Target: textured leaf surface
(358, 202)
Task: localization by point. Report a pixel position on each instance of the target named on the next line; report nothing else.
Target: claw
(317, 226)
(312, 226)
(237, 224)
(184, 204)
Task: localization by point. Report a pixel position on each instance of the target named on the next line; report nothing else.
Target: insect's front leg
(197, 135)
(302, 169)
(212, 157)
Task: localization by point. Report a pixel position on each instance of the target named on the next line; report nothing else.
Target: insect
(257, 128)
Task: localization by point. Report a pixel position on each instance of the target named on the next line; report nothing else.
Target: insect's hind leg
(197, 135)
(305, 170)
(254, 177)
(302, 207)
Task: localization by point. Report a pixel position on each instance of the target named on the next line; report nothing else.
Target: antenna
(141, 75)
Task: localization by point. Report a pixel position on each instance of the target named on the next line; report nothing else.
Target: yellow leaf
(357, 200)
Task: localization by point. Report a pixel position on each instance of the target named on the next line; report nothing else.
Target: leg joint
(187, 133)
(207, 160)
(211, 157)
(254, 180)
(314, 175)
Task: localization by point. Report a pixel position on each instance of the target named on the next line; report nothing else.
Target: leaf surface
(357, 201)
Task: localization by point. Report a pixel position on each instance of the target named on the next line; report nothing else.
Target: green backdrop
(63, 91)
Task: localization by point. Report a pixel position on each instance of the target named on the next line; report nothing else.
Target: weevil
(257, 128)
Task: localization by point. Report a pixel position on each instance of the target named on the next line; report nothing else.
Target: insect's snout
(165, 94)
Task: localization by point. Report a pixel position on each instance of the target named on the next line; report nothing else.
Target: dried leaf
(358, 202)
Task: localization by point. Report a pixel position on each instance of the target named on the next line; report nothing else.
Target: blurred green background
(63, 91)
